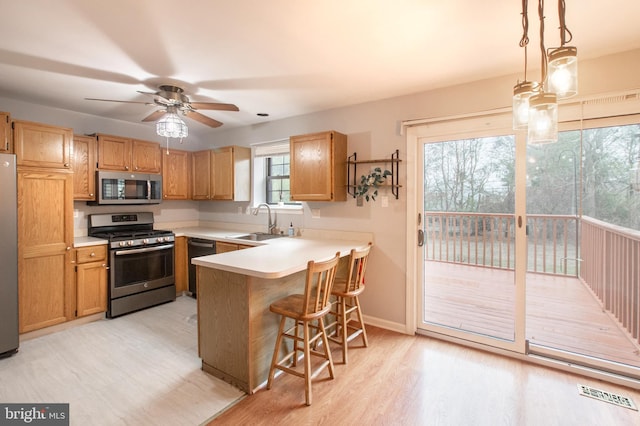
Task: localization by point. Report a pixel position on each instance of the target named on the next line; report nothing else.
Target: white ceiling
(281, 57)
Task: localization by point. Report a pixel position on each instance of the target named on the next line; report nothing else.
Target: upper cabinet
(318, 167)
(146, 156)
(42, 145)
(231, 173)
(6, 142)
(201, 175)
(175, 174)
(123, 154)
(84, 168)
(222, 174)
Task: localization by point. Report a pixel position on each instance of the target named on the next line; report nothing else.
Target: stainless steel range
(141, 261)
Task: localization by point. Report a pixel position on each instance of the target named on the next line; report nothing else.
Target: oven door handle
(143, 250)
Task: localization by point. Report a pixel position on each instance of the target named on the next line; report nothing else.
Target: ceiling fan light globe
(172, 126)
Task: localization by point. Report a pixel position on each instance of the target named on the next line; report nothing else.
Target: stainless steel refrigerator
(8, 256)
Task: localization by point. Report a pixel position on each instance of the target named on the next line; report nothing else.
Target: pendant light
(563, 61)
(543, 106)
(524, 89)
(535, 105)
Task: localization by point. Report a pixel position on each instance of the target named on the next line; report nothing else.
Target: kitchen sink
(257, 236)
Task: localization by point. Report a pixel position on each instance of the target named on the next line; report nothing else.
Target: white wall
(373, 130)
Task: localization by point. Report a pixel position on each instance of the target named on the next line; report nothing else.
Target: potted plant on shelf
(369, 184)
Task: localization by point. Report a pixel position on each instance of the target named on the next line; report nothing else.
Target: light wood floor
(138, 369)
(561, 313)
(416, 380)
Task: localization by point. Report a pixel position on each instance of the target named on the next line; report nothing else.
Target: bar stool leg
(276, 352)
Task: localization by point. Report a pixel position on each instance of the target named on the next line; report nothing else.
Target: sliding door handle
(420, 237)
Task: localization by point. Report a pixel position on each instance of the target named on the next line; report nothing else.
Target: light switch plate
(384, 200)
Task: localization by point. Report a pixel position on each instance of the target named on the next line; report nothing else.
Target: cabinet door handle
(66, 165)
(92, 254)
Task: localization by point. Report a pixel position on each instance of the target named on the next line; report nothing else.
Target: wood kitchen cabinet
(6, 141)
(91, 280)
(224, 247)
(46, 288)
(181, 265)
(222, 174)
(318, 167)
(231, 173)
(201, 175)
(84, 168)
(176, 174)
(124, 154)
(42, 145)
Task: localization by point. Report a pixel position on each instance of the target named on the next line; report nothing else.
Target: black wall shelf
(352, 172)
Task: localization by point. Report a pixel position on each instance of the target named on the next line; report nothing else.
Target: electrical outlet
(315, 212)
(384, 200)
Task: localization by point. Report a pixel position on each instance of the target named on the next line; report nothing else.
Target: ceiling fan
(172, 99)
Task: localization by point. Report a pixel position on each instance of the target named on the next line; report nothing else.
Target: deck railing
(488, 240)
(608, 261)
(611, 268)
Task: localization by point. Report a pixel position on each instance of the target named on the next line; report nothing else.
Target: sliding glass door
(532, 249)
(469, 229)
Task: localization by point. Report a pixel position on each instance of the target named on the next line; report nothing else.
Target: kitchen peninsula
(236, 330)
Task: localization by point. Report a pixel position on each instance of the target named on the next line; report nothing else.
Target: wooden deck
(561, 312)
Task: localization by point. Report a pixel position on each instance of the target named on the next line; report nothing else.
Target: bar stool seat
(346, 291)
(307, 312)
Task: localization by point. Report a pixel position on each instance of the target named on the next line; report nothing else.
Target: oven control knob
(161, 239)
(130, 243)
(145, 241)
(122, 243)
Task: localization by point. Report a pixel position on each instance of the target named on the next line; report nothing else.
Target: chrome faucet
(272, 224)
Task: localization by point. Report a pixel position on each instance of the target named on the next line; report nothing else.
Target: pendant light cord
(564, 31)
(543, 52)
(524, 41)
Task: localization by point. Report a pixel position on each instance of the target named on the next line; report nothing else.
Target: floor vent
(612, 398)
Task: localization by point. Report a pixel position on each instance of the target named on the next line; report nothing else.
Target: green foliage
(368, 187)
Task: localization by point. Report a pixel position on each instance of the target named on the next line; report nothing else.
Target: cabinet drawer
(91, 254)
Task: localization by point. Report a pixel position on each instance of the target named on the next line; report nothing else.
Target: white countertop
(278, 257)
(274, 258)
(88, 241)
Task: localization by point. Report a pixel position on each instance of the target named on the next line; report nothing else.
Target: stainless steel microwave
(128, 188)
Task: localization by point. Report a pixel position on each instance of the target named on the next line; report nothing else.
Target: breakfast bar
(236, 330)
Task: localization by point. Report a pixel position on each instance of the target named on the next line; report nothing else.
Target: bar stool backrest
(357, 267)
(318, 286)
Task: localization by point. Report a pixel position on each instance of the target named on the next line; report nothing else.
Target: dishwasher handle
(201, 244)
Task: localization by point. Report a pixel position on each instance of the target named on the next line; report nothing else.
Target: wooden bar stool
(346, 291)
(307, 311)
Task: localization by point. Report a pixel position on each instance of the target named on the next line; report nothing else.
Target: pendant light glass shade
(521, 94)
(543, 118)
(172, 126)
(563, 71)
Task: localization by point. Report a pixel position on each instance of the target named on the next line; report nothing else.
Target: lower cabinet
(222, 247)
(46, 290)
(91, 280)
(181, 265)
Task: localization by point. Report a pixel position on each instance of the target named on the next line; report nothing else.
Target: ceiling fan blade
(214, 106)
(154, 116)
(203, 119)
(113, 100)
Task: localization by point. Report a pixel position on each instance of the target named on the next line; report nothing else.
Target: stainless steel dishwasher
(198, 247)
